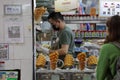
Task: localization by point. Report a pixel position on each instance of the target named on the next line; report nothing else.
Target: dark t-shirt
(66, 36)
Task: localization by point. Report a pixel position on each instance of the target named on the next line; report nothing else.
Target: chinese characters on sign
(109, 8)
(12, 9)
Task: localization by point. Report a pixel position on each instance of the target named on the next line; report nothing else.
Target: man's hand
(39, 47)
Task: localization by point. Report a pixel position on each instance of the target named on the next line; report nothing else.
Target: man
(65, 34)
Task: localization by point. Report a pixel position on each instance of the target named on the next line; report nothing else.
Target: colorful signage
(109, 8)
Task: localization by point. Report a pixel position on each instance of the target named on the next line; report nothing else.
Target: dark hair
(55, 16)
(113, 25)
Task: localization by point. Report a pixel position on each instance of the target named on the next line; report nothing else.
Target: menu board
(109, 8)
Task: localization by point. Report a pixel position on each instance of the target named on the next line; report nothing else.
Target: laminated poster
(109, 8)
(4, 49)
(8, 75)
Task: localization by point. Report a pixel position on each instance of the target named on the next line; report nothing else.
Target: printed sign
(12, 9)
(109, 8)
(13, 29)
(9, 75)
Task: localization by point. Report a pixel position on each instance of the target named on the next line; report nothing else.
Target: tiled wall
(20, 55)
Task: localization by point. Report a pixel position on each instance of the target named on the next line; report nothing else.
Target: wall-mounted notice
(4, 50)
(13, 29)
(10, 75)
(109, 8)
(66, 5)
(12, 9)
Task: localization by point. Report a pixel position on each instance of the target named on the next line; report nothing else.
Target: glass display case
(91, 26)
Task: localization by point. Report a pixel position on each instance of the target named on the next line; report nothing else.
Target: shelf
(75, 19)
(89, 71)
(84, 21)
(93, 38)
(64, 74)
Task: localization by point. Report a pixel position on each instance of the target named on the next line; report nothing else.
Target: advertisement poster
(4, 51)
(109, 8)
(66, 5)
(13, 30)
(9, 75)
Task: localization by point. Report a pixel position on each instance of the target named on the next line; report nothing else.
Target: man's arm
(63, 50)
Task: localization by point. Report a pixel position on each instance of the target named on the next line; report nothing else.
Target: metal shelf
(66, 74)
(89, 71)
(84, 21)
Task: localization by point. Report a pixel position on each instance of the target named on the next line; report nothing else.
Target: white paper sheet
(13, 27)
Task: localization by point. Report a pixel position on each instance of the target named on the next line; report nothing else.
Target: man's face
(55, 24)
